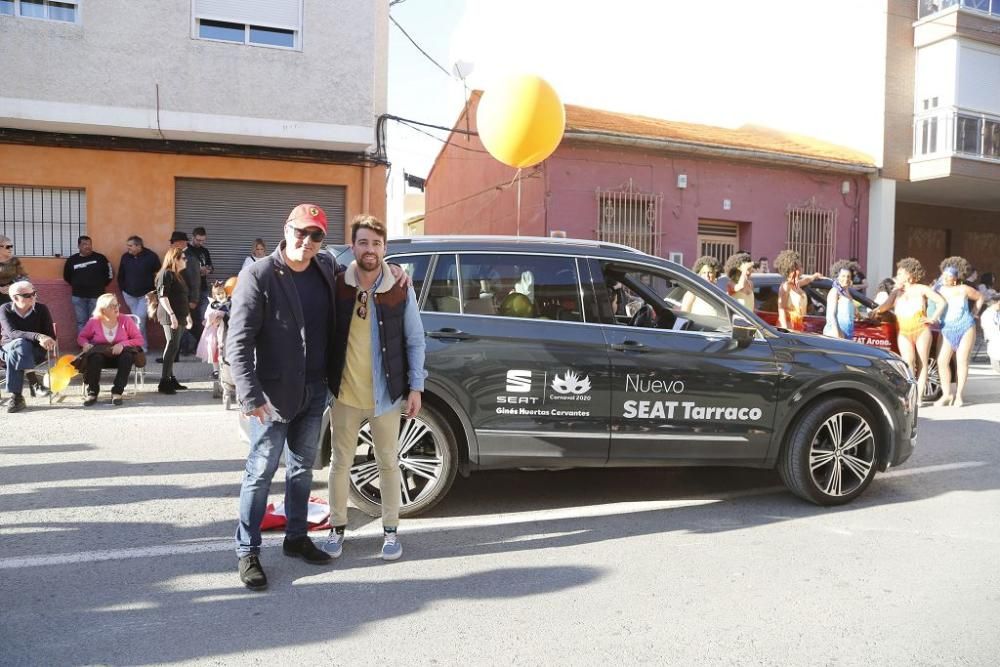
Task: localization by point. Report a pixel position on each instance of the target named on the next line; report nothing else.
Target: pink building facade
(679, 200)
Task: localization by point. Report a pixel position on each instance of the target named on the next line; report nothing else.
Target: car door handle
(449, 334)
(630, 346)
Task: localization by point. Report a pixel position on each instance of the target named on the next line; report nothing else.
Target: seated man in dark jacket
(26, 334)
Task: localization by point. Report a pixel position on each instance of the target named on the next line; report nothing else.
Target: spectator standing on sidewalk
(173, 314)
(257, 252)
(11, 270)
(88, 273)
(192, 278)
(136, 278)
(379, 360)
(205, 268)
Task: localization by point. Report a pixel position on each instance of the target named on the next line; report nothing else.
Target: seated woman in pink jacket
(108, 328)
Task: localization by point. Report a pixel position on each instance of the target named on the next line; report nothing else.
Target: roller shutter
(234, 213)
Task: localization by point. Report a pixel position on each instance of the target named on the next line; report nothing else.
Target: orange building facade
(134, 192)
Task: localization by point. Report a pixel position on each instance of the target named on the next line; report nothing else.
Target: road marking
(374, 530)
(422, 526)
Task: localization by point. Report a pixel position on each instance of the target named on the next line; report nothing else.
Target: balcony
(927, 8)
(956, 160)
(950, 132)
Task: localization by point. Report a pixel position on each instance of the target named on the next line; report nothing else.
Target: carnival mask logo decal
(570, 383)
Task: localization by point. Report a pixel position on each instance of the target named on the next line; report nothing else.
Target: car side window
(661, 300)
(766, 298)
(415, 267)
(529, 286)
(442, 293)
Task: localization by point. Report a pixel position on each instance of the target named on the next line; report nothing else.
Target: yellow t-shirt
(356, 388)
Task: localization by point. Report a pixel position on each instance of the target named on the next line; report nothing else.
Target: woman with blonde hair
(257, 252)
(108, 340)
(11, 270)
(173, 310)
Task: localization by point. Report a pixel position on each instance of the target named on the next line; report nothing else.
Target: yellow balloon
(521, 121)
(61, 374)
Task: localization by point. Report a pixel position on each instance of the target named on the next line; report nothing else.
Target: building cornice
(716, 151)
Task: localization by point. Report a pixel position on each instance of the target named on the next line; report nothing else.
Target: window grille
(43, 222)
(811, 231)
(718, 239)
(630, 218)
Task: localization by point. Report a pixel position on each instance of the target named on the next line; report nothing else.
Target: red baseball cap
(307, 215)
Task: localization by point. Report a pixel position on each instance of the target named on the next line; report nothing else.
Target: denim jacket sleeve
(413, 331)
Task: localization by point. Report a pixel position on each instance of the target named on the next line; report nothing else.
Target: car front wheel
(428, 461)
(831, 454)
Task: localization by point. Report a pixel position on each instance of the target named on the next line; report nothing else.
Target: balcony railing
(929, 7)
(949, 131)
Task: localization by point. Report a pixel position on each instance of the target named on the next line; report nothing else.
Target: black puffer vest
(389, 308)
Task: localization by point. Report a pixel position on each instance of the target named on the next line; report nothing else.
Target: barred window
(629, 217)
(811, 231)
(43, 222)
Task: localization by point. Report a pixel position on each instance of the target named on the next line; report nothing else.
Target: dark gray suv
(554, 353)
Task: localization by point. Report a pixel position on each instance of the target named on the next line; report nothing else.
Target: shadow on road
(157, 623)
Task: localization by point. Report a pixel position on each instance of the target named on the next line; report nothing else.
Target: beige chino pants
(346, 421)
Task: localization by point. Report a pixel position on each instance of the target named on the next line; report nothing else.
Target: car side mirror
(744, 332)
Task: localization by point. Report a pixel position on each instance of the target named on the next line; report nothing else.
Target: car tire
(933, 389)
(428, 463)
(831, 453)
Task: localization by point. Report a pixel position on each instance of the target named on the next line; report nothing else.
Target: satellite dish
(462, 69)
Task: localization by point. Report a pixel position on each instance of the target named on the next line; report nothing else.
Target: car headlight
(901, 367)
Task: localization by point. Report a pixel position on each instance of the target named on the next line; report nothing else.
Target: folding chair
(41, 368)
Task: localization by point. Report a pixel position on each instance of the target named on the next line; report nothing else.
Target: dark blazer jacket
(265, 345)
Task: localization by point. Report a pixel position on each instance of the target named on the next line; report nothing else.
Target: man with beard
(282, 351)
(379, 358)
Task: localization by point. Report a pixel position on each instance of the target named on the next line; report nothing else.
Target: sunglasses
(26, 295)
(7, 247)
(301, 234)
(363, 308)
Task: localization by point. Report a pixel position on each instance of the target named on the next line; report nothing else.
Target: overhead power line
(414, 42)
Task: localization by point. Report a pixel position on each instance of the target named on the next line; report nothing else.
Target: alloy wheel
(842, 454)
(421, 463)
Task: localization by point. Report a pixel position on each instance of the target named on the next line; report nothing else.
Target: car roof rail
(496, 238)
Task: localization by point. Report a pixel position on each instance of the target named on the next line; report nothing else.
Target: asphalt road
(116, 548)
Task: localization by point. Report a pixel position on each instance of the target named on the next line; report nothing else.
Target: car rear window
(506, 285)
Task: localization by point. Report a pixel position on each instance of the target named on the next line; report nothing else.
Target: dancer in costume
(909, 302)
(792, 301)
(840, 307)
(958, 330)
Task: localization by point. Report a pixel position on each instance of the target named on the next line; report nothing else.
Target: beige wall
(900, 69)
(931, 233)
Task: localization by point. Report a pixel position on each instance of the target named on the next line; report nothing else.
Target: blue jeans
(299, 440)
(20, 355)
(137, 306)
(83, 308)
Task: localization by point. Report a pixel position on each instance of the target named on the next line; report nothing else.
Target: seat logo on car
(570, 383)
(518, 382)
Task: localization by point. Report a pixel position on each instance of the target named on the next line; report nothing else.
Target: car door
(682, 387)
(532, 371)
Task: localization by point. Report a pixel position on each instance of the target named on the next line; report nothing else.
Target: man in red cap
(281, 350)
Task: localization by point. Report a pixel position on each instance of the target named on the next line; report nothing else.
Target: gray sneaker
(334, 544)
(391, 548)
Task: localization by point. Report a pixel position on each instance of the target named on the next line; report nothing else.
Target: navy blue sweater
(137, 273)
